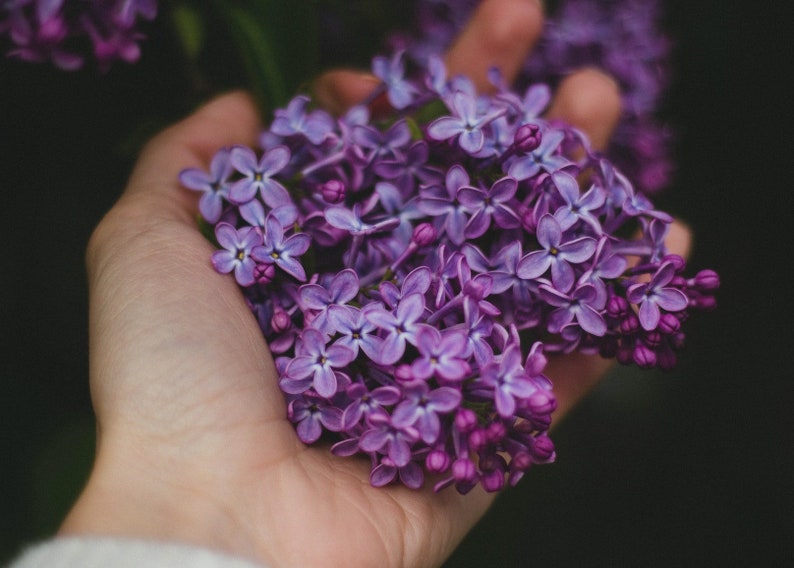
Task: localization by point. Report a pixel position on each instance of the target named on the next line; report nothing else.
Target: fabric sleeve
(96, 552)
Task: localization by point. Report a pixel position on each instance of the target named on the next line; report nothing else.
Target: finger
(575, 374)
(499, 34)
(589, 100)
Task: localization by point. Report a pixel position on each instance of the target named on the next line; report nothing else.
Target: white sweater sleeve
(104, 552)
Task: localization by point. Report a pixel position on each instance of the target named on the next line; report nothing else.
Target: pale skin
(193, 441)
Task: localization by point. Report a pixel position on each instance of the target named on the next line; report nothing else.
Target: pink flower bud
(527, 137)
(424, 234)
(333, 191)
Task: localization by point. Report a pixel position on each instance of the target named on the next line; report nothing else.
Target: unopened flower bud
(707, 280)
(333, 191)
(644, 356)
(668, 324)
(424, 234)
(495, 432)
(478, 439)
(527, 137)
(705, 302)
(617, 306)
(542, 402)
(264, 273)
(629, 324)
(542, 449)
(463, 469)
(493, 481)
(465, 420)
(437, 461)
(280, 322)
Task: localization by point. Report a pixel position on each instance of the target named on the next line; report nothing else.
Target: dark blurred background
(682, 468)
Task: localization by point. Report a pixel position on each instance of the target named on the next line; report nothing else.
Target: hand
(193, 440)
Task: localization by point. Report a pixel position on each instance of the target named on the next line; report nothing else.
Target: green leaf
(190, 28)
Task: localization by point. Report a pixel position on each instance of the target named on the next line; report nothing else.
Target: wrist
(127, 496)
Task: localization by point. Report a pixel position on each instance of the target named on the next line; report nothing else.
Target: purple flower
(401, 92)
(236, 254)
(577, 207)
(311, 414)
(442, 355)
(556, 254)
(294, 120)
(384, 473)
(280, 251)
(421, 408)
(365, 402)
(317, 299)
(495, 202)
(580, 306)
(656, 294)
(509, 381)
(545, 157)
(401, 325)
(466, 125)
(386, 438)
(380, 145)
(405, 170)
(356, 331)
(214, 187)
(257, 175)
(314, 365)
(442, 203)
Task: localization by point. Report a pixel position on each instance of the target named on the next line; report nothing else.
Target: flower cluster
(411, 274)
(57, 30)
(622, 37)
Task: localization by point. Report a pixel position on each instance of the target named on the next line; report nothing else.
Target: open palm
(193, 440)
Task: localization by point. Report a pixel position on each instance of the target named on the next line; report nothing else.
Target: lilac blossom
(546, 157)
(317, 299)
(442, 203)
(398, 276)
(442, 355)
(315, 125)
(655, 295)
(484, 204)
(258, 175)
(384, 437)
(581, 305)
(311, 414)
(400, 325)
(236, 253)
(391, 71)
(280, 251)
(555, 254)
(314, 365)
(421, 408)
(466, 125)
(41, 30)
(214, 187)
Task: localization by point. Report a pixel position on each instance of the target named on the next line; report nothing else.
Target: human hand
(193, 440)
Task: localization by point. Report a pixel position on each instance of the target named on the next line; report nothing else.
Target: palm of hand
(194, 403)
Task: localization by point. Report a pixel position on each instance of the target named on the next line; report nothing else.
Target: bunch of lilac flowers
(412, 274)
(621, 37)
(58, 30)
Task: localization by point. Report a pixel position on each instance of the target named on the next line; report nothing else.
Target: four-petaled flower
(280, 251)
(556, 254)
(314, 365)
(656, 294)
(236, 254)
